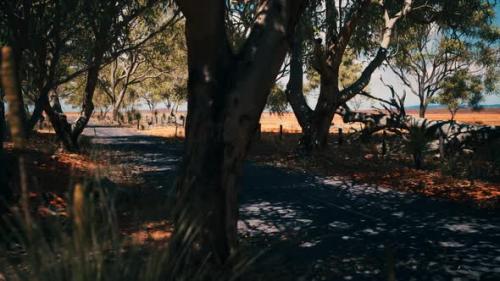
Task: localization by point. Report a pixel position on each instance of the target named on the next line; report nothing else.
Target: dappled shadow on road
(311, 227)
(143, 159)
(144, 170)
(341, 230)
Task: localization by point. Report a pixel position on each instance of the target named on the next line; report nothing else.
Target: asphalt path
(315, 228)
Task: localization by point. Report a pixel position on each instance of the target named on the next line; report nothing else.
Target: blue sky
(497, 11)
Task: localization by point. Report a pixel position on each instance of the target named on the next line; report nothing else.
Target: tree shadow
(340, 229)
(310, 227)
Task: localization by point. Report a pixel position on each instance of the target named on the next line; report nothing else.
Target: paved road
(330, 227)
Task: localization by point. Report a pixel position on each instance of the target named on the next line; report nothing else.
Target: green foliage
(276, 101)
(459, 89)
(152, 73)
(416, 143)
(437, 43)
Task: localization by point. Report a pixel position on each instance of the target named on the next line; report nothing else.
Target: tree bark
(36, 115)
(3, 125)
(88, 105)
(295, 87)
(60, 124)
(422, 109)
(5, 192)
(17, 118)
(227, 94)
(316, 136)
(10, 84)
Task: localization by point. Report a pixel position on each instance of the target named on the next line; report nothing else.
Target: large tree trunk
(227, 95)
(60, 124)
(295, 87)
(88, 105)
(36, 115)
(3, 125)
(315, 123)
(17, 118)
(5, 192)
(118, 104)
(11, 87)
(316, 136)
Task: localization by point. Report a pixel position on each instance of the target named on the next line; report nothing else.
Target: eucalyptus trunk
(11, 87)
(422, 109)
(227, 94)
(88, 105)
(5, 192)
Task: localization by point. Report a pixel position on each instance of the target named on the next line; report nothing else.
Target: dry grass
(488, 116)
(270, 123)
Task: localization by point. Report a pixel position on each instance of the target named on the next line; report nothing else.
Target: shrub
(416, 143)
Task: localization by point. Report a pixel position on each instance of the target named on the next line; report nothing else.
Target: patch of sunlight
(308, 244)
(370, 231)
(255, 226)
(339, 225)
(462, 227)
(451, 244)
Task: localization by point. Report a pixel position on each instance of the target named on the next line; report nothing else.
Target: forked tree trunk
(88, 105)
(295, 87)
(60, 125)
(315, 137)
(327, 60)
(118, 104)
(36, 115)
(227, 95)
(315, 123)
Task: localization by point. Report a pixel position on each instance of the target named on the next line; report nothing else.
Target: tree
(459, 89)
(151, 72)
(110, 25)
(34, 29)
(160, 75)
(427, 55)
(343, 26)
(276, 101)
(227, 92)
(56, 41)
(365, 28)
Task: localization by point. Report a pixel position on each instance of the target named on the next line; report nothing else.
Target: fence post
(341, 137)
(441, 146)
(384, 143)
(281, 132)
(259, 131)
